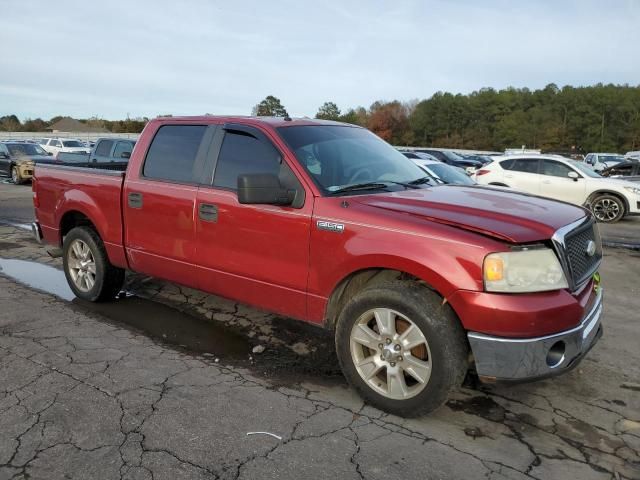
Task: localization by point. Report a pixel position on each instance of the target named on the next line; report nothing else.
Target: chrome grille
(572, 243)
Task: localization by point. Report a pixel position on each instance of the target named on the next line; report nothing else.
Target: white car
(67, 145)
(562, 179)
(600, 161)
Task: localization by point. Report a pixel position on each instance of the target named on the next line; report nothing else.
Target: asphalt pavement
(163, 383)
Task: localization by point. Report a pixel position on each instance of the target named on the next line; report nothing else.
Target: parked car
(113, 151)
(443, 173)
(55, 145)
(628, 170)
(329, 224)
(451, 158)
(418, 155)
(484, 159)
(600, 161)
(632, 156)
(567, 180)
(17, 160)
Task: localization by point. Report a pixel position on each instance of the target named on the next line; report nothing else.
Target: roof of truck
(273, 121)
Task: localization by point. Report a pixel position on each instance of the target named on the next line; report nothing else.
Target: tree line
(11, 123)
(567, 119)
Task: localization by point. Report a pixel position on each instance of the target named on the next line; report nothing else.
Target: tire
(15, 175)
(405, 305)
(607, 208)
(87, 267)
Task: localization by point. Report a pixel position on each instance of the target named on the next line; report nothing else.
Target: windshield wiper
(422, 181)
(361, 186)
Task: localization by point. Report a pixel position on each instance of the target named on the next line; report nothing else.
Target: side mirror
(3, 155)
(573, 175)
(263, 188)
(126, 155)
(49, 153)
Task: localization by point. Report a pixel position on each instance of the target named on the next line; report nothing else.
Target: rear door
(102, 151)
(558, 185)
(523, 175)
(257, 254)
(159, 203)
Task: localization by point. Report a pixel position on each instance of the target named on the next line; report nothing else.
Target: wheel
(607, 208)
(400, 348)
(15, 175)
(87, 268)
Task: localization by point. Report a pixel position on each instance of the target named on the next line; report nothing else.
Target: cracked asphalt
(88, 392)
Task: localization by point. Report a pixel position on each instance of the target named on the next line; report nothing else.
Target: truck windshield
(341, 156)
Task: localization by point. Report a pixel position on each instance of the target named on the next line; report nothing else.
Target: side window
(555, 169)
(241, 154)
(55, 143)
(589, 159)
(525, 165)
(4, 149)
(507, 164)
(122, 147)
(103, 149)
(173, 151)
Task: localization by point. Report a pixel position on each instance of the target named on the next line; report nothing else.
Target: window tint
(243, 154)
(122, 147)
(55, 143)
(507, 164)
(526, 165)
(555, 169)
(173, 152)
(104, 148)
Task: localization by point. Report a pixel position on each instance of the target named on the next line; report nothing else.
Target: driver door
(557, 184)
(256, 254)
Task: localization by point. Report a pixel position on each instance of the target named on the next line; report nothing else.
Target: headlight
(534, 270)
(635, 190)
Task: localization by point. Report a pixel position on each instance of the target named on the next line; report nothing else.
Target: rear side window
(507, 164)
(526, 165)
(173, 152)
(104, 148)
(242, 154)
(122, 147)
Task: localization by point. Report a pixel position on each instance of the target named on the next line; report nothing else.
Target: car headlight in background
(528, 270)
(635, 190)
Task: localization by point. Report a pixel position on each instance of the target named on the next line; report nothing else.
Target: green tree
(10, 123)
(270, 107)
(328, 111)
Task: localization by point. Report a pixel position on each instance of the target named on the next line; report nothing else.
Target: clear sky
(144, 58)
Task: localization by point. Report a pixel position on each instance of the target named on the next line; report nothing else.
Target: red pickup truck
(326, 223)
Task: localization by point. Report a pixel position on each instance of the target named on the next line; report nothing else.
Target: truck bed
(95, 193)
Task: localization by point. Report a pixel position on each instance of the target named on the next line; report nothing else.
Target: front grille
(581, 264)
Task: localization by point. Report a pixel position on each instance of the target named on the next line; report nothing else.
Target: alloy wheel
(390, 353)
(606, 209)
(82, 265)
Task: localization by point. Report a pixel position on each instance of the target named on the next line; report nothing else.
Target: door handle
(208, 212)
(134, 200)
(546, 182)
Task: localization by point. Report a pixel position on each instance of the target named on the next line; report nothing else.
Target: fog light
(556, 354)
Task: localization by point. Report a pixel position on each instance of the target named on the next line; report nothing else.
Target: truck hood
(499, 213)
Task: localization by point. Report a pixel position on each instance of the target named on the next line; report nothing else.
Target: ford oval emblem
(591, 248)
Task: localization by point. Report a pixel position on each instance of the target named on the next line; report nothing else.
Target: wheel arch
(357, 280)
(618, 195)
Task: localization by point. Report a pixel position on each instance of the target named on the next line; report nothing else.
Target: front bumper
(526, 359)
(25, 170)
